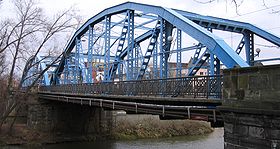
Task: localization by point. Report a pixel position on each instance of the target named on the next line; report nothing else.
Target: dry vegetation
(155, 128)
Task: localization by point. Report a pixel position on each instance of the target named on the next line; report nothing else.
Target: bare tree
(238, 3)
(3, 65)
(28, 33)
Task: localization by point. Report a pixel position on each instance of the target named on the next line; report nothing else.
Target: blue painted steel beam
(130, 46)
(137, 41)
(179, 54)
(77, 60)
(199, 63)
(165, 44)
(249, 47)
(229, 25)
(149, 52)
(216, 45)
(94, 56)
(107, 48)
(122, 39)
(123, 53)
(145, 8)
(240, 46)
(155, 63)
(90, 52)
(197, 53)
(43, 67)
(30, 71)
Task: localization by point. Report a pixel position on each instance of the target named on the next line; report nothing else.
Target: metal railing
(193, 87)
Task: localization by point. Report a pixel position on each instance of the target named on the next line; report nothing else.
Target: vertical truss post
(162, 73)
(77, 60)
(120, 71)
(107, 48)
(214, 63)
(165, 31)
(217, 65)
(249, 47)
(165, 44)
(211, 63)
(162, 64)
(155, 62)
(217, 72)
(214, 83)
(70, 70)
(130, 44)
(179, 54)
(211, 60)
(65, 72)
(136, 64)
(90, 48)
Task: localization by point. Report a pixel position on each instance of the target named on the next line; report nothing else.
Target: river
(212, 141)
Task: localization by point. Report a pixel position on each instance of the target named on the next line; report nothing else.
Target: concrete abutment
(69, 120)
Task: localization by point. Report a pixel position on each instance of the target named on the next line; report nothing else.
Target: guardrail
(193, 87)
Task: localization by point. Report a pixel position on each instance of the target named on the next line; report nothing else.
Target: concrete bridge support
(251, 107)
(71, 121)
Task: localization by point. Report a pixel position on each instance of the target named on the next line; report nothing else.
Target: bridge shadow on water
(213, 141)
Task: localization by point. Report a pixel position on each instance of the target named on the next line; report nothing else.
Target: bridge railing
(193, 87)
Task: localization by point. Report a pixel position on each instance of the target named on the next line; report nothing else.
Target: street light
(258, 50)
(169, 38)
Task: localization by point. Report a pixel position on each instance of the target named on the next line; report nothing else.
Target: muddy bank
(20, 134)
(147, 126)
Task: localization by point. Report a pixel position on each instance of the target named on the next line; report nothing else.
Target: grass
(154, 128)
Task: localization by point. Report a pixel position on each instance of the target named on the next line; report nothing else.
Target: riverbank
(149, 126)
(126, 127)
(19, 134)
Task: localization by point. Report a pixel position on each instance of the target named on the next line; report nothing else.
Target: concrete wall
(251, 107)
(66, 119)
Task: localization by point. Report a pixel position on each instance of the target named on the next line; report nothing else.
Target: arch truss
(133, 41)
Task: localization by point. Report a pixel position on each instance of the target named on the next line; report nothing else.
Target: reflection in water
(212, 141)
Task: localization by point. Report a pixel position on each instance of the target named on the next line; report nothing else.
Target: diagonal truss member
(149, 52)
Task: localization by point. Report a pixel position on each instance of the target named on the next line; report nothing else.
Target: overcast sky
(252, 11)
(221, 8)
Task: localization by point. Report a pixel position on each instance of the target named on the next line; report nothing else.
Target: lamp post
(258, 50)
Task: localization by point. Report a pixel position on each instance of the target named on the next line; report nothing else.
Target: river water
(212, 141)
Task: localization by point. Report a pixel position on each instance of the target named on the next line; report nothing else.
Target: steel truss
(133, 41)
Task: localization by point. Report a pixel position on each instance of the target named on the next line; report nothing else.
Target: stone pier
(251, 107)
(69, 120)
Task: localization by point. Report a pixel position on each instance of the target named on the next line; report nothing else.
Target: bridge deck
(178, 101)
(166, 108)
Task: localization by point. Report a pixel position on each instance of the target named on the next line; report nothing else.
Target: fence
(195, 87)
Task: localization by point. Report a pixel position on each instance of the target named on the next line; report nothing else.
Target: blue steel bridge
(120, 59)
